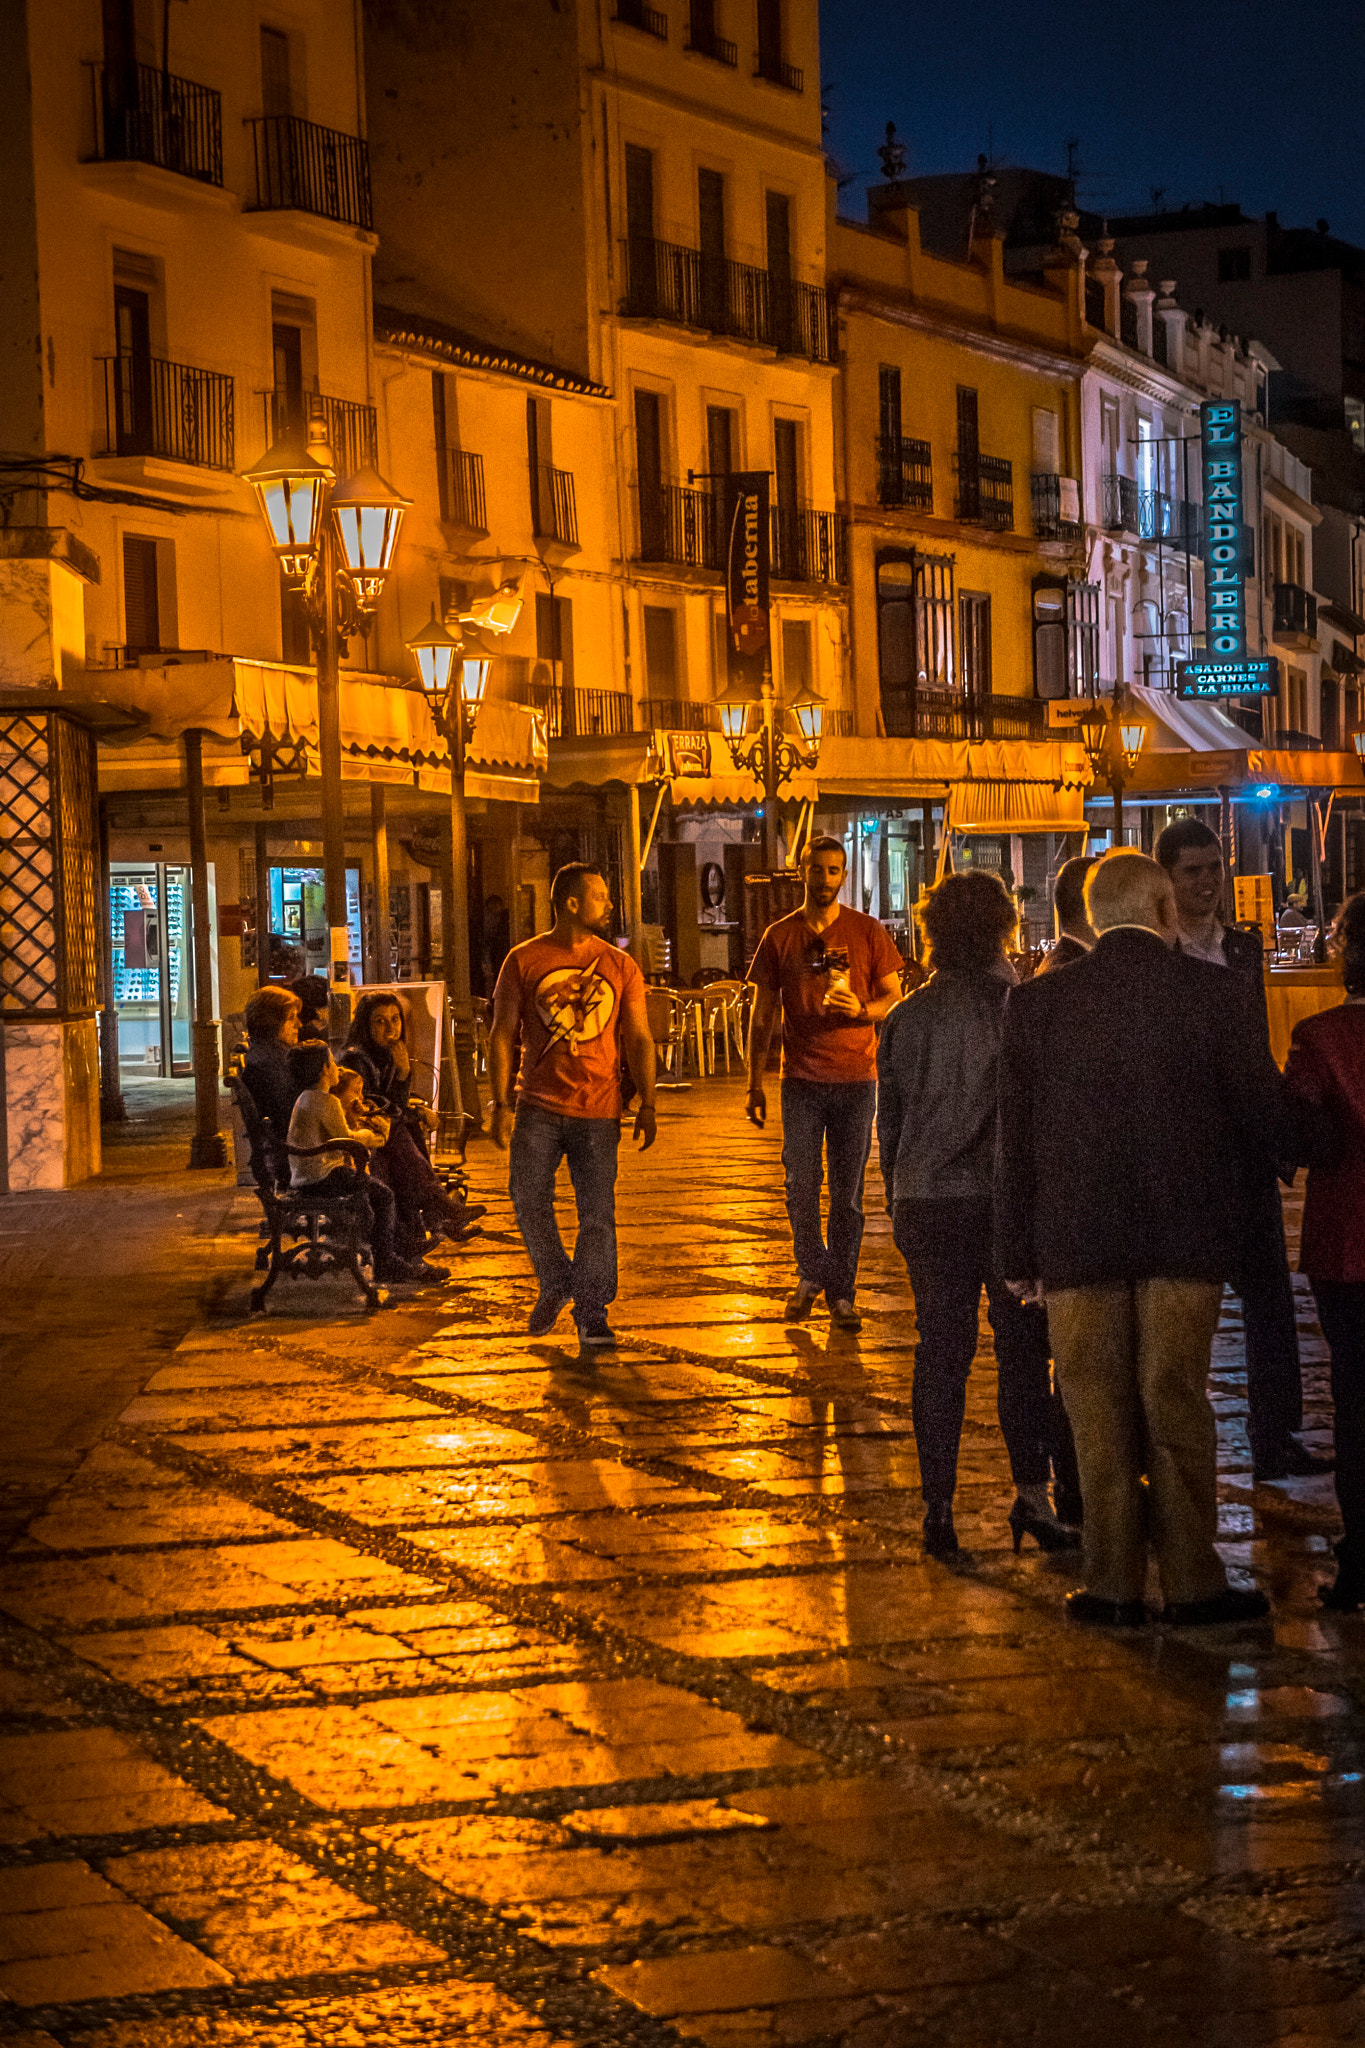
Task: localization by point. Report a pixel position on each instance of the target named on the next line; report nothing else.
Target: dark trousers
(403, 1166)
(1274, 1381)
(947, 1251)
(540, 1139)
(827, 1120)
(1341, 1311)
(381, 1206)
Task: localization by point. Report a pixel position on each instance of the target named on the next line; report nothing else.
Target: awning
(1197, 746)
(1306, 769)
(694, 766)
(387, 730)
(1014, 807)
(921, 771)
(1344, 661)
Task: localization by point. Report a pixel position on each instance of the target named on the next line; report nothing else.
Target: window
(889, 410)
(968, 455)
(538, 457)
(778, 219)
(974, 644)
(141, 596)
(1047, 442)
(1066, 638)
(796, 656)
(661, 650)
(711, 245)
(276, 89)
(438, 423)
(1234, 266)
(770, 39)
(1355, 420)
(132, 328)
(554, 635)
(1295, 539)
(639, 193)
(649, 454)
(787, 550)
(914, 634)
(720, 445)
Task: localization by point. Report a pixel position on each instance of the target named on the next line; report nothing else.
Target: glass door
(149, 916)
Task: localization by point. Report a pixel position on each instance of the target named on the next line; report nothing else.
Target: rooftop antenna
(1158, 198)
(892, 154)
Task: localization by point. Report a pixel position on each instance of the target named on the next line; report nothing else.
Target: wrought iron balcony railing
(905, 474)
(678, 714)
(572, 713)
(668, 281)
(464, 503)
(352, 429)
(952, 715)
(985, 492)
(779, 73)
(635, 15)
(1119, 507)
(152, 407)
(554, 505)
(678, 524)
(1045, 491)
(1151, 515)
(308, 169)
(147, 116)
(1296, 610)
(808, 547)
(712, 45)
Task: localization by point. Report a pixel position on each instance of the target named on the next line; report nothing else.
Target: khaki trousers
(1132, 1361)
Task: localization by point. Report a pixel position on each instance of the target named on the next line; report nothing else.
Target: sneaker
(1231, 1605)
(546, 1314)
(844, 1315)
(801, 1301)
(594, 1334)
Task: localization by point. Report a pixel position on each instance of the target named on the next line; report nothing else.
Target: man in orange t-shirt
(576, 1001)
(835, 974)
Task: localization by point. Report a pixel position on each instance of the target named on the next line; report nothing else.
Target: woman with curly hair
(1325, 1074)
(377, 1049)
(936, 1116)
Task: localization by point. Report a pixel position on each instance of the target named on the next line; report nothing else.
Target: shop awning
(695, 766)
(1306, 769)
(1014, 807)
(387, 730)
(1196, 746)
(921, 771)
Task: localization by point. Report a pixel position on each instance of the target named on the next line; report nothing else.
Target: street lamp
(336, 542)
(1112, 734)
(769, 756)
(454, 676)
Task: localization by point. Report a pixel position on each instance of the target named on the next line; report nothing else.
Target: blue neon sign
(1220, 427)
(1257, 675)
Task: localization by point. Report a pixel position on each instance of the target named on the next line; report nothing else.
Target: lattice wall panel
(49, 866)
(29, 966)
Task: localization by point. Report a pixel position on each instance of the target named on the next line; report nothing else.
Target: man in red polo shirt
(835, 974)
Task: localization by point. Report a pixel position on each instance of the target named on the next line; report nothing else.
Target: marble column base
(52, 1081)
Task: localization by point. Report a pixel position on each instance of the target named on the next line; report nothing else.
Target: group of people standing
(1097, 1148)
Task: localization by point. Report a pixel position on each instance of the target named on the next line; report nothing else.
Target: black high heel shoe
(940, 1537)
(1048, 1534)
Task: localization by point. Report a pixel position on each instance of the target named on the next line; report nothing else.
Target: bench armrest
(359, 1155)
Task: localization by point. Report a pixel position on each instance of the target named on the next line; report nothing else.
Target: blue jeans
(834, 1117)
(540, 1139)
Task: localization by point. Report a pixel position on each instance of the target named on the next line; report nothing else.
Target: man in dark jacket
(1192, 856)
(1138, 1099)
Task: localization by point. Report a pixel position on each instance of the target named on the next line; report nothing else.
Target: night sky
(1259, 103)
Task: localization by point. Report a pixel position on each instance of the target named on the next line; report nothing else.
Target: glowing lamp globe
(291, 484)
(809, 707)
(473, 682)
(368, 513)
(733, 705)
(434, 650)
(1358, 742)
(1132, 733)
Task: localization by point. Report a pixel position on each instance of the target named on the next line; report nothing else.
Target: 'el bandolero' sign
(1227, 670)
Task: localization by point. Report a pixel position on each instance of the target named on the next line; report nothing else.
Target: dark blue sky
(1257, 102)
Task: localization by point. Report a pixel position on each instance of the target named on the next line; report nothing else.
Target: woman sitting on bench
(377, 1049)
(318, 1117)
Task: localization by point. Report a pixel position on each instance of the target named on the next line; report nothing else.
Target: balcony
(905, 474)
(147, 116)
(1151, 515)
(1045, 492)
(1296, 614)
(949, 715)
(667, 281)
(462, 497)
(352, 429)
(704, 44)
(306, 169)
(554, 506)
(985, 491)
(771, 67)
(633, 15)
(677, 714)
(678, 524)
(808, 547)
(152, 407)
(575, 714)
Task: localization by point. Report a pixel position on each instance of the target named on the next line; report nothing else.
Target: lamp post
(1112, 735)
(336, 543)
(769, 756)
(454, 677)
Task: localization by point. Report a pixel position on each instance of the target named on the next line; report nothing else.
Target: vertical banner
(747, 558)
(1220, 428)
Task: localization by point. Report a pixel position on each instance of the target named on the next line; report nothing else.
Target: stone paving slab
(411, 1681)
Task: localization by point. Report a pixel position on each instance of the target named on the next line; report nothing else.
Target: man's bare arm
(767, 1007)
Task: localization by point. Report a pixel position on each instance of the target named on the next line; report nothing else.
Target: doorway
(151, 919)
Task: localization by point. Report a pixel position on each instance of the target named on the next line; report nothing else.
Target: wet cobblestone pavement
(404, 1680)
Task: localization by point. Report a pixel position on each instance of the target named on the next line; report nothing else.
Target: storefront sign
(1253, 676)
(1220, 428)
(689, 753)
(746, 576)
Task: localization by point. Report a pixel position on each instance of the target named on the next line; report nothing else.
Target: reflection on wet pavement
(449, 1687)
